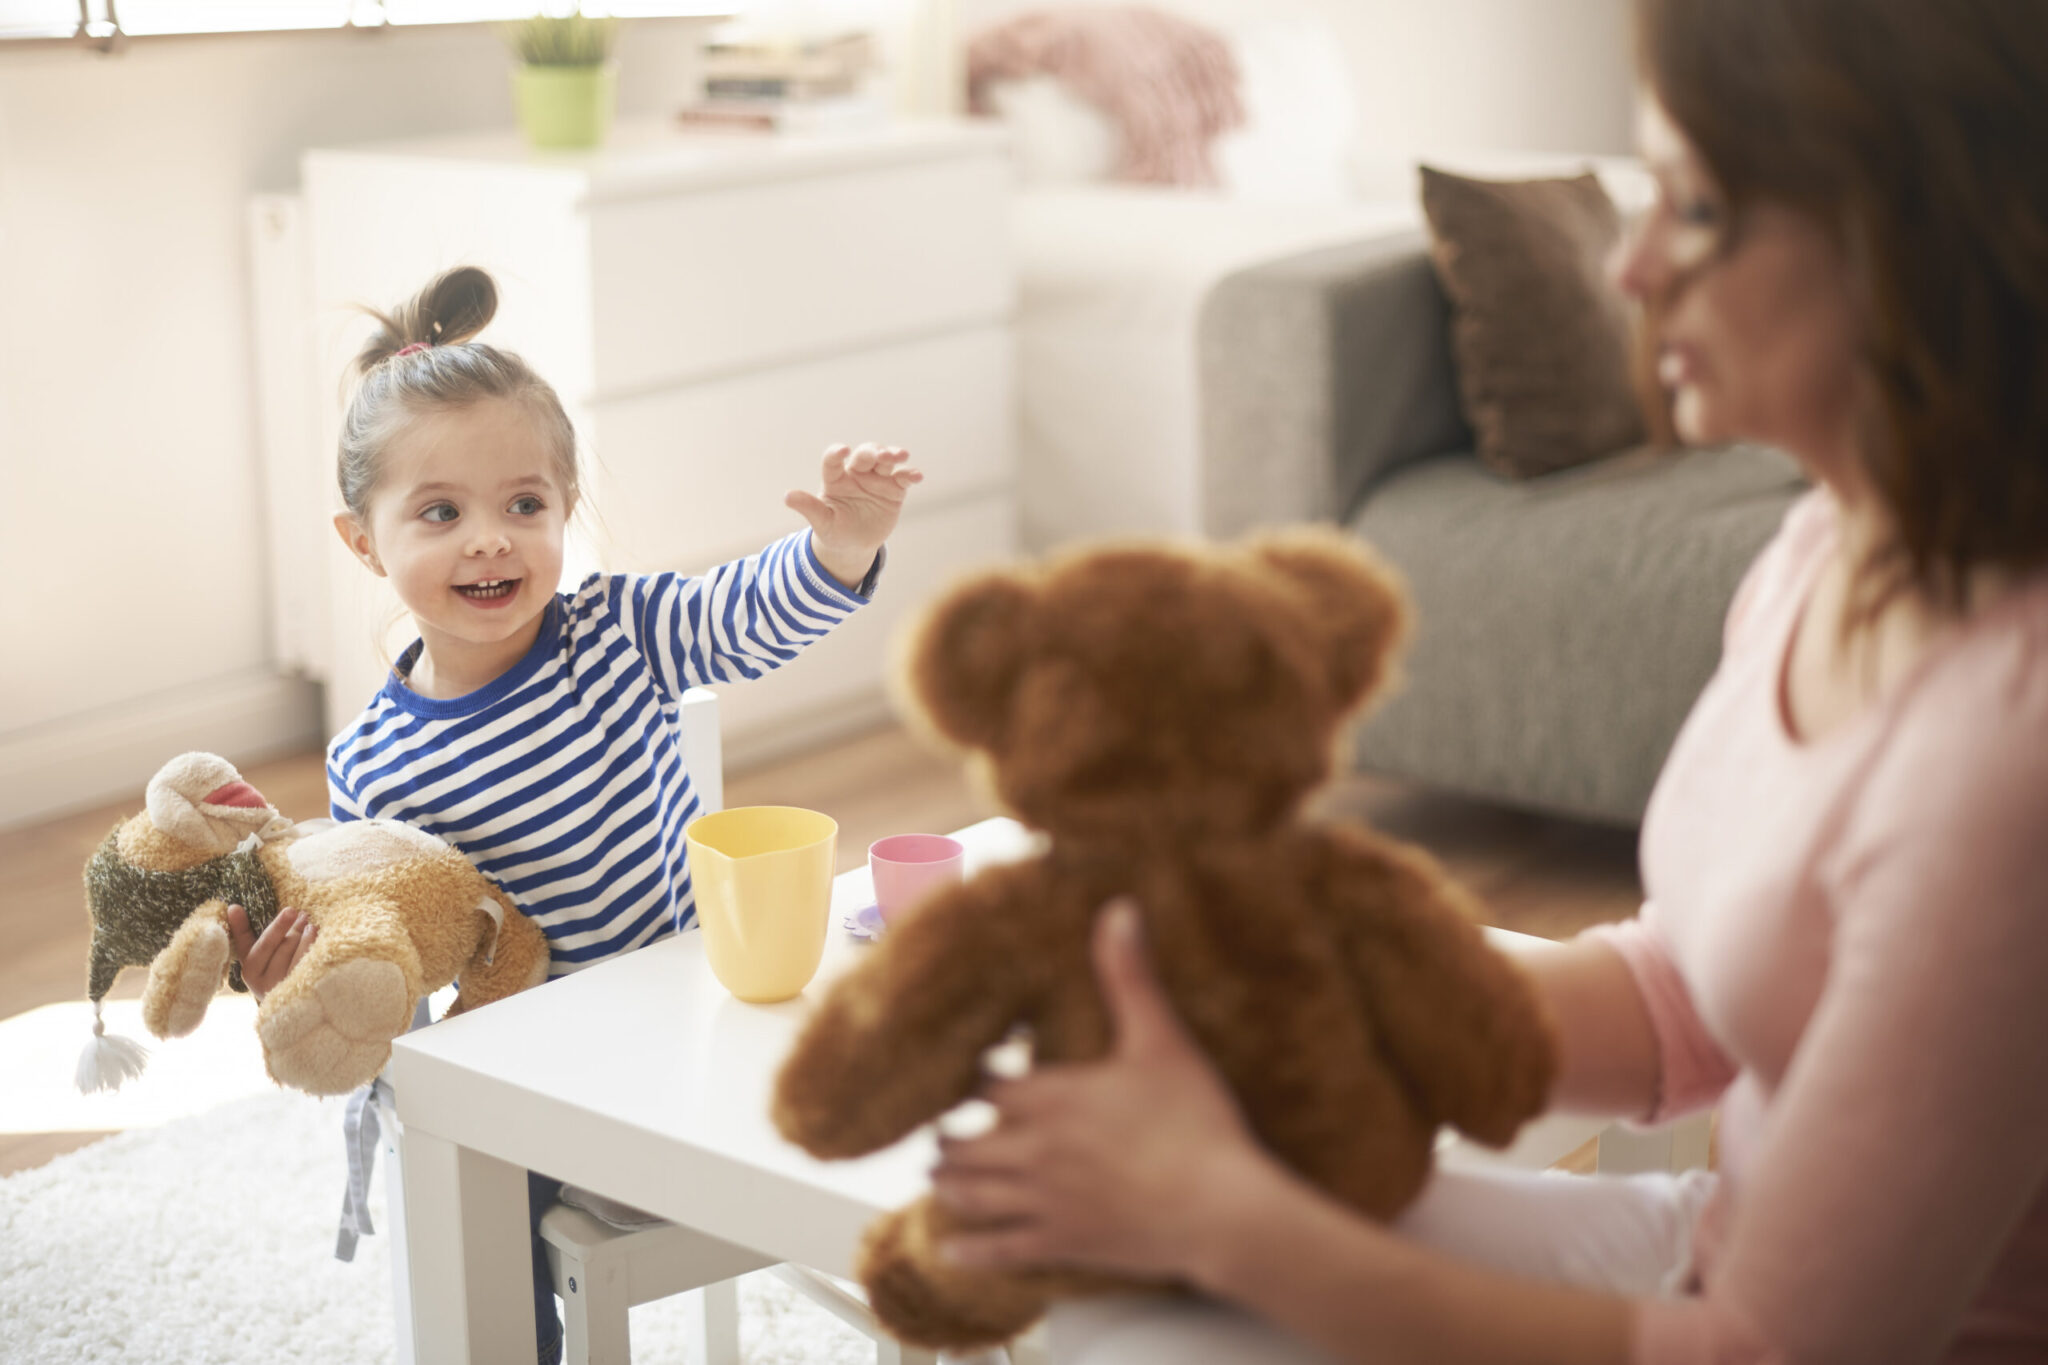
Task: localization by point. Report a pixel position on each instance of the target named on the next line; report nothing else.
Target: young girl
(536, 730)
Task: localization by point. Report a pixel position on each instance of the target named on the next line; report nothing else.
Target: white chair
(601, 1271)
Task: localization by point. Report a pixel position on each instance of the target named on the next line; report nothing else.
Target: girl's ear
(357, 537)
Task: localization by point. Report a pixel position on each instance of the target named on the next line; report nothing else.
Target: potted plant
(565, 84)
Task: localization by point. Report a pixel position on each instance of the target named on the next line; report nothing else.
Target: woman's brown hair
(1913, 130)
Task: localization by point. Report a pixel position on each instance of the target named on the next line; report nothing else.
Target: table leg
(469, 1254)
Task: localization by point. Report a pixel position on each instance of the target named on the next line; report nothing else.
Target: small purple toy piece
(865, 922)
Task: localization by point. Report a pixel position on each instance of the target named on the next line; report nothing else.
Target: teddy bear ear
(1355, 601)
(959, 660)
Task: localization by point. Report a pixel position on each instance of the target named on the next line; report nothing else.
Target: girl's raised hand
(269, 959)
(857, 506)
(1109, 1164)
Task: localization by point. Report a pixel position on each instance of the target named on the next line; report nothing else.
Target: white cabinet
(714, 311)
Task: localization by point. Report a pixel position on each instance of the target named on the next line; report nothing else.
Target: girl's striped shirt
(563, 780)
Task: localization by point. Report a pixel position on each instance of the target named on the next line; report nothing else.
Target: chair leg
(712, 1323)
(394, 1232)
(844, 1302)
(594, 1324)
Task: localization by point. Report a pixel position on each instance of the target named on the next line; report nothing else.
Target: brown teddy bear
(400, 914)
(1161, 712)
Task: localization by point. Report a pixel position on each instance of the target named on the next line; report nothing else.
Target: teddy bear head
(1159, 688)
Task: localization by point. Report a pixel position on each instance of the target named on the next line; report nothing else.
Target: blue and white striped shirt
(563, 780)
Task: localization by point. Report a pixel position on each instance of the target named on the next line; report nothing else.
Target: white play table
(642, 1079)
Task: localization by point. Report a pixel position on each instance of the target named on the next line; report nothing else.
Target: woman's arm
(1607, 1049)
(1142, 1164)
(1314, 1268)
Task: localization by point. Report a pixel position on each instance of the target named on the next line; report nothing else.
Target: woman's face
(1756, 325)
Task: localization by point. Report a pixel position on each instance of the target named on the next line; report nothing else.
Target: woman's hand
(856, 508)
(1128, 1164)
(269, 959)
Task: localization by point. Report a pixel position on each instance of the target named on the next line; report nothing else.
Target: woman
(1845, 944)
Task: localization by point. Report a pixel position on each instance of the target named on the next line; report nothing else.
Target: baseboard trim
(111, 752)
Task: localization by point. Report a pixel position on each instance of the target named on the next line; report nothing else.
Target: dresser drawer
(696, 475)
(692, 285)
(838, 684)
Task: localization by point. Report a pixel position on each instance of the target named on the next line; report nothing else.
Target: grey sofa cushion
(1565, 622)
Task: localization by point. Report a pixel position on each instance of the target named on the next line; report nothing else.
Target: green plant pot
(565, 106)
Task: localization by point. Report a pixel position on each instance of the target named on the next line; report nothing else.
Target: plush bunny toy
(400, 914)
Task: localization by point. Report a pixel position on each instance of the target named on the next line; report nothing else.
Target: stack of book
(812, 85)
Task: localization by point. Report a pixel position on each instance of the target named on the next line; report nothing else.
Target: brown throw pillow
(1541, 338)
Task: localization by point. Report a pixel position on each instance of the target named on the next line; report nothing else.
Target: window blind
(105, 20)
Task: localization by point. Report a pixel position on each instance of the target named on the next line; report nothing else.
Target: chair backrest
(702, 751)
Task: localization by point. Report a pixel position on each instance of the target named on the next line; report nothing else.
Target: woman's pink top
(1845, 943)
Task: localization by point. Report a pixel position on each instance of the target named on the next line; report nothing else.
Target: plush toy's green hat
(200, 801)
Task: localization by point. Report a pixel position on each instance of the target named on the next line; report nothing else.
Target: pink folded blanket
(1169, 85)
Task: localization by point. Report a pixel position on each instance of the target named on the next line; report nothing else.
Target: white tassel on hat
(108, 1061)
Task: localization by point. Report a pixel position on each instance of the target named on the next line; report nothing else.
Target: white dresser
(714, 311)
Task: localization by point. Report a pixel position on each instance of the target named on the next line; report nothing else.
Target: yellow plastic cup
(763, 877)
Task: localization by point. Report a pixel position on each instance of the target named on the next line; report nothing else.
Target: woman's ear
(357, 537)
(958, 662)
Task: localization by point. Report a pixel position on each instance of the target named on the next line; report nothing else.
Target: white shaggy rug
(210, 1240)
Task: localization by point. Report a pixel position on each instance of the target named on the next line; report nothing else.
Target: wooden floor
(1537, 875)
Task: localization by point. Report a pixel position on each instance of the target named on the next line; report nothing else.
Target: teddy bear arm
(185, 976)
(898, 1041)
(1461, 1022)
(518, 958)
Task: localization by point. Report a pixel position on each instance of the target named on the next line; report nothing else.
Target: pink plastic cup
(909, 867)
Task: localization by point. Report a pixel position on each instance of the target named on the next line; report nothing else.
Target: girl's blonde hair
(422, 358)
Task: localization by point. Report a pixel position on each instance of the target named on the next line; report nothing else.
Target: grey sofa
(1566, 623)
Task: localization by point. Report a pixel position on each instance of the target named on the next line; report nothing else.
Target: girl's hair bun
(453, 308)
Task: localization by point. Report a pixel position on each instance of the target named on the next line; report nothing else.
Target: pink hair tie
(407, 350)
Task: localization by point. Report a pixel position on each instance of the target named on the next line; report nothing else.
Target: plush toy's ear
(200, 800)
(1354, 599)
(959, 661)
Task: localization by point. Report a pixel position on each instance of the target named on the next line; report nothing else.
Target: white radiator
(296, 477)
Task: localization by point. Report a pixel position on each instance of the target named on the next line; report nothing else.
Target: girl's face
(466, 520)
(1757, 333)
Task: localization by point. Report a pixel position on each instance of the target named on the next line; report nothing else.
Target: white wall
(132, 600)
(1439, 77)
(1446, 76)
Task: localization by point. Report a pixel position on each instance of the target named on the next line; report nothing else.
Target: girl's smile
(491, 594)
